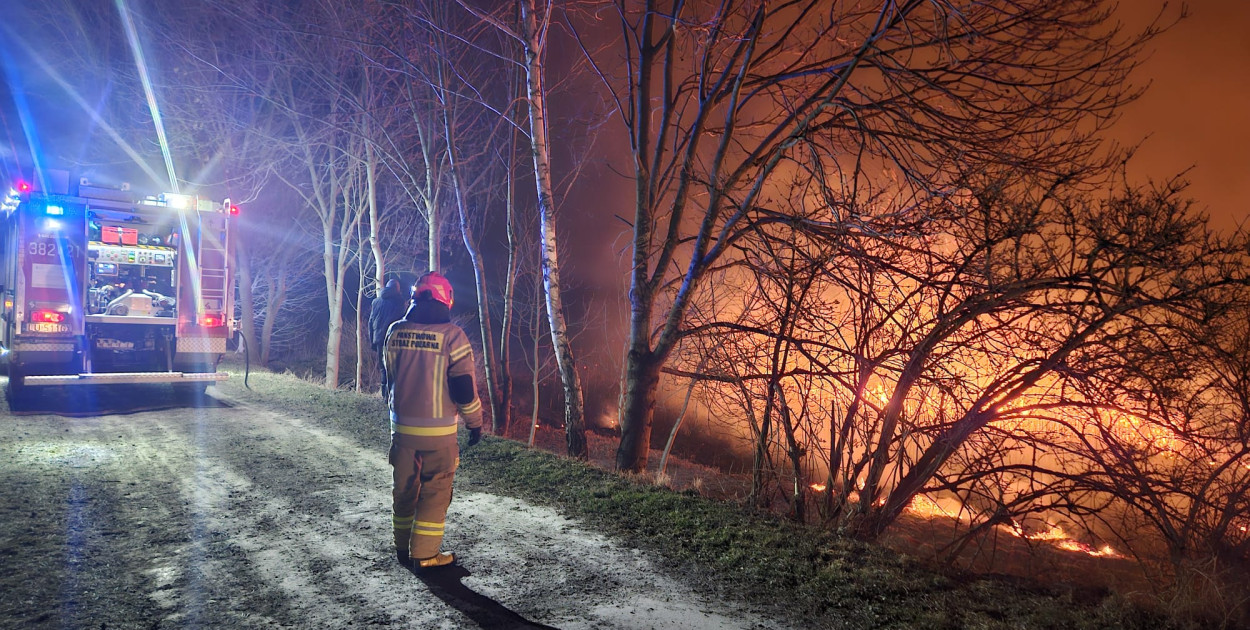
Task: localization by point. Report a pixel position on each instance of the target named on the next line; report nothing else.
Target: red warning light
(212, 321)
(23, 187)
(234, 211)
(48, 317)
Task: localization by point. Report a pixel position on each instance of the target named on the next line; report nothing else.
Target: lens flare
(136, 48)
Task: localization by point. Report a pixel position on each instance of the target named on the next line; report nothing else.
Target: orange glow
(925, 507)
(818, 487)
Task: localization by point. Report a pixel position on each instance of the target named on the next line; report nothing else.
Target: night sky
(1196, 113)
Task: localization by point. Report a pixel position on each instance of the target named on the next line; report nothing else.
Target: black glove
(475, 436)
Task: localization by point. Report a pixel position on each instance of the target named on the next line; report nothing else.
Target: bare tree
(529, 26)
(318, 92)
(721, 100)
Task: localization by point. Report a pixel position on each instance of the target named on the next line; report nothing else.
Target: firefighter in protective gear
(431, 363)
(386, 309)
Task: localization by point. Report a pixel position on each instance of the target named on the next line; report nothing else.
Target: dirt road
(214, 513)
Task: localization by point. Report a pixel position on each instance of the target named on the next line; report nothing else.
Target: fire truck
(102, 285)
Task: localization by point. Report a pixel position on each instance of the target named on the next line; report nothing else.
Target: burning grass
(815, 576)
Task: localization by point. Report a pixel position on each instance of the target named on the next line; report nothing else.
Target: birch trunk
(334, 300)
(362, 335)
(334, 338)
(534, 40)
(375, 241)
(336, 264)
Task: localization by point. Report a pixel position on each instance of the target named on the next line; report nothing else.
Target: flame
(1054, 533)
(1105, 552)
(818, 487)
(1061, 539)
(923, 506)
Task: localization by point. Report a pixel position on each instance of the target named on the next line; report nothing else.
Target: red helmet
(436, 285)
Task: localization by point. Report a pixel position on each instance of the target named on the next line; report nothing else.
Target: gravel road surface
(171, 513)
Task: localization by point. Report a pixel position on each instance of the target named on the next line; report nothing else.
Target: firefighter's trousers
(422, 492)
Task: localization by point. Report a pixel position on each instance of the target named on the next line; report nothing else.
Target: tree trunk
(362, 334)
(574, 422)
(334, 304)
(490, 364)
(685, 406)
(642, 376)
(537, 336)
(795, 451)
(475, 258)
(362, 341)
(431, 238)
(275, 297)
(504, 420)
(375, 241)
(247, 301)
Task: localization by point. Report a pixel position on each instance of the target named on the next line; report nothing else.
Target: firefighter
(386, 309)
(430, 363)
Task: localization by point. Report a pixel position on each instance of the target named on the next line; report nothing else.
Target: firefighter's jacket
(430, 362)
(386, 309)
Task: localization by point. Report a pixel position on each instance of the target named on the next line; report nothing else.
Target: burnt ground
(162, 512)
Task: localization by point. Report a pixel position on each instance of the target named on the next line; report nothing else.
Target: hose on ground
(247, 358)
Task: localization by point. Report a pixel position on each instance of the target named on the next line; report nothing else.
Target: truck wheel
(17, 390)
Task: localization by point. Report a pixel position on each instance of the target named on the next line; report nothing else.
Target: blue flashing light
(55, 210)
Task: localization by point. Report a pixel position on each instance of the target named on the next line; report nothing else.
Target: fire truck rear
(104, 286)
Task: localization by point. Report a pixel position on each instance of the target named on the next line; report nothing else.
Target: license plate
(114, 344)
(46, 327)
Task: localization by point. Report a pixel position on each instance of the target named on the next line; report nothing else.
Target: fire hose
(247, 358)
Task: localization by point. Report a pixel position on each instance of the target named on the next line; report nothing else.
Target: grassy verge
(805, 573)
